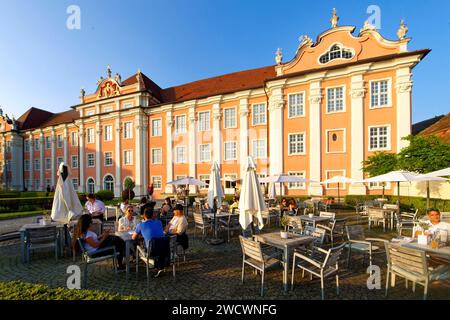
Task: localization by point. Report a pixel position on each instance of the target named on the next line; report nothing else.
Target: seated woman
(124, 205)
(127, 223)
(166, 207)
(283, 206)
(292, 207)
(92, 242)
(235, 204)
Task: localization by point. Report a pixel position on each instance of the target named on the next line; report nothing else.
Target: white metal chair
(268, 215)
(41, 238)
(253, 256)
(201, 223)
(377, 216)
(357, 241)
(326, 214)
(445, 216)
(335, 229)
(324, 267)
(230, 224)
(412, 265)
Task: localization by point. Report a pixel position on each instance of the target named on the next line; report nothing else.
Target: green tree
(380, 163)
(129, 185)
(424, 154)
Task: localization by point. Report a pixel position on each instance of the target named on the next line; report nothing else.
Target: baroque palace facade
(339, 100)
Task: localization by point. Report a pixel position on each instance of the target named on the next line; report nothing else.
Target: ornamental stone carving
(404, 87)
(315, 98)
(278, 57)
(334, 19)
(402, 30)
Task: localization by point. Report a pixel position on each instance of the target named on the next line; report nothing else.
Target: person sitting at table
(92, 242)
(128, 222)
(283, 206)
(95, 207)
(144, 204)
(150, 228)
(436, 224)
(292, 206)
(124, 205)
(178, 224)
(235, 204)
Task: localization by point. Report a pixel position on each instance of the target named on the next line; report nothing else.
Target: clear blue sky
(44, 64)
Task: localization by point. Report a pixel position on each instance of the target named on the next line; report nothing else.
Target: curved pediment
(339, 46)
(108, 88)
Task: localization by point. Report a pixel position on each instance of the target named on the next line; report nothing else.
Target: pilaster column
(404, 89)
(81, 160)
(243, 133)
(41, 162)
(315, 150)
(169, 152)
(145, 162)
(192, 149)
(53, 161)
(16, 161)
(66, 145)
(118, 158)
(31, 176)
(4, 162)
(138, 158)
(357, 134)
(276, 105)
(98, 157)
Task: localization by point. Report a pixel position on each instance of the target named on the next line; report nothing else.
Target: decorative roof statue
(368, 26)
(334, 19)
(100, 80)
(402, 31)
(304, 39)
(278, 57)
(14, 124)
(82, 92)
(1, 112)
(118, 78)
(108, 71)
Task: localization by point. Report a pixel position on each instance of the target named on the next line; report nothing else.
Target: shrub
(105, 195)
(14, 204)
(18, 290)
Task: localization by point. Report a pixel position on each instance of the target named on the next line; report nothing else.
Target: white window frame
(345, 140)
(389, 135)
(225, 126)
(185, 154)
(47, 139)
(113, 182)
(302, 185)
(59, 162)
(37, 144)
(159, 131)
(74, 138)
(38, 162)
(47, 160)
(108, 136)
(208, 159)
(229, 175)
(59, 142)
(87, 184)
(253, 114)
(75, 185)
(87, 160)
(105, 158)
(253, 149)
(378, 186)
(153, 181)
(26, 165)
(289, 144)
(152, 158)
(90, 113)
(208, 118)
(225, 151)
(90, 139)
(303, 115)
(128, 134)
(342, 172)
(389, 93)
(37, 184)
(108, 109)
(127, 105)
(27, 145)
(184, 125)
(125, 157)
(200, 176)
(71, 162)
(344, 99)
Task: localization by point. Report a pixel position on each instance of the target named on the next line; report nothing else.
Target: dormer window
(336, 52)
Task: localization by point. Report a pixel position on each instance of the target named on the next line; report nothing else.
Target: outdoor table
(389, 212)
(314, 219)
(210, 215)
(287, 245)
(126, 237)
(25, 227)
(443, 252)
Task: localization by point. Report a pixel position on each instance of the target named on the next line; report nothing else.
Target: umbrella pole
(398, 198)
(281, 193)
(428, 194)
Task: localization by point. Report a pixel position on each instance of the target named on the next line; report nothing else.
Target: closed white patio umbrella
(251, 202)
(339, 180)
(66, 203)
(215, 192)
(272, 191)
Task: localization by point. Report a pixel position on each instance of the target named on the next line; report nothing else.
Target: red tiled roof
(227, 83)
(62, 117)
(440, 128)
(33, 118)
(146, 84)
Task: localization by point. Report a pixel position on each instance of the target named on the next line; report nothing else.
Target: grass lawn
(8, 215)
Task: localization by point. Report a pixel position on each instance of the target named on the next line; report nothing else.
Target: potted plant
(422, 234)
(284, 223)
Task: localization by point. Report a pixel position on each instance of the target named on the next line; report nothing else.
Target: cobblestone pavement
(13, 225)
(210, 272)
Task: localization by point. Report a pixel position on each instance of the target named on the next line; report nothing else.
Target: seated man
(95, 207)
(436, 225)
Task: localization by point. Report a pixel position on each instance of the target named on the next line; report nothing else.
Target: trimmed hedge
(14, 204)
(18, 290)
(105, 195)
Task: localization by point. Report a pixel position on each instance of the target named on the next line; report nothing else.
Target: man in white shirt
(95, 207)
(436, 225)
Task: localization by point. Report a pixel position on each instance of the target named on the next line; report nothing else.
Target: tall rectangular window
(157, 156)
(128, 130)
(74, 162)
(259, 149)
(59, 139)
(48, 142)
(230, 150)
(379, 138)
(26, 165)
(108, 132)
(157, 182)
(180, 154)
(296, 105)
(27, 145)
(48, 164)
(75, 183)
(296, 143)
(90, 160)
(335, 99)
(229, 118)
(37, 144)
(180, 124)
(37, 184)
(59, 160)
(205, 153)
(379, 93)
(156, 128)
(128, 157)
(259, 114)
(108, 159)
(36, 164)
(297, 185)
(204, 178)
(203, 121)
(90, 135)
(74, 138)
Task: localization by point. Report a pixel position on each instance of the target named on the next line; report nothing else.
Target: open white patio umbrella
(66, 203)
(187, 182)
(284, 178)
(251, 202)
(339, 180)
(439, 173)
(427, 177)
(215, 192)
